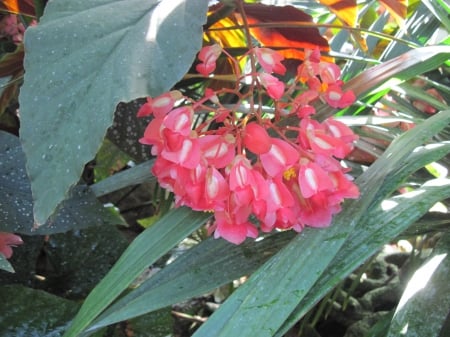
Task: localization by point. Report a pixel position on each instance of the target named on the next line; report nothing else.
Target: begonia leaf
(80, 64)
(81, 258)
(127, 129)
(80, 210)
(30, 312)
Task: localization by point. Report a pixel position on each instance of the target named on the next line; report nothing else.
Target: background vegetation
(115, 259)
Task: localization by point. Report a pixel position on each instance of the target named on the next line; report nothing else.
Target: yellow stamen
(289, 173)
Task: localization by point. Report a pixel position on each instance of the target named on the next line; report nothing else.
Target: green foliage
(428, 291)
(80, 210)
(5, 265)
(146, 249)
(84, 58)
(193, 274)
(31, 312)
(100, 60)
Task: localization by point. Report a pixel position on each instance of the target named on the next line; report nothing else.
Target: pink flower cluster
(251, 172)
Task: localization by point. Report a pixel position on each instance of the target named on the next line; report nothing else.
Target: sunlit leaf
(282, 37)
(397, 8)
(345, 10)
(428, 291)
(80, 64)
(23, 7)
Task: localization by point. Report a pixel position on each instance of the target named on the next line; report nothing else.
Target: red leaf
(24, 7)
(289, 39)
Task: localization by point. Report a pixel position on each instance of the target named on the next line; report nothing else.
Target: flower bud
(256, 138)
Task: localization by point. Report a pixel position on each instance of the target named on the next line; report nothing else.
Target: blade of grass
(194, 273)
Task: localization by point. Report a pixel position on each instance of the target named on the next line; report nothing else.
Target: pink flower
(336, 98)
(216, 189)
(329, 72)
(274, 87)
(228, 164)
(179, 120)
(270, 60)
(208, 55)
(218, 150)
(316, 211)
(279, 201)
(232, 231)
(279, 158)
(256, 138)
(313, 179)
(153, 135)
(330, 138)
(8, 240)
(160, 105)
(181, 150)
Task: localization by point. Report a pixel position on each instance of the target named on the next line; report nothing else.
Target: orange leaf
(227, 38)
(397, 8)
(345, 10)
(285, 36)
(286, 29)
(24, 7)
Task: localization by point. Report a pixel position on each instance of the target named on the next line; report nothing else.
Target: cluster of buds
(241, 163)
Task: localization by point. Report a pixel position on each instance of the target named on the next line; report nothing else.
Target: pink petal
(256, 138)
(279, 158)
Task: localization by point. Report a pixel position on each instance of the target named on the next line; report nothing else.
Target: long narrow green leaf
(418, 158)
(144, 250)
(380, 225)
(139, 174)
(428, 292)
(272, 293)
(203, 268)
